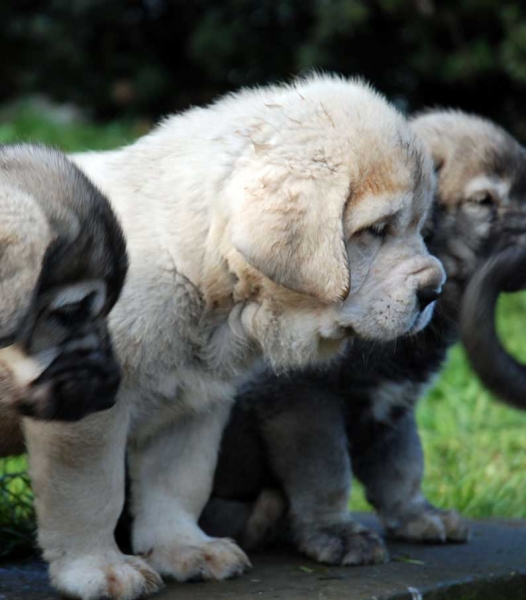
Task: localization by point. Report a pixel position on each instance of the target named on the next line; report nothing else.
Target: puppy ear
(292, 232)
(435, 133)
(24, 239)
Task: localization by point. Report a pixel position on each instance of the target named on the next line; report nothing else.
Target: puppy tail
(498, 370)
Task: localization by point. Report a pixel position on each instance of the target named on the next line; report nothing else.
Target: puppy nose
(427, 295)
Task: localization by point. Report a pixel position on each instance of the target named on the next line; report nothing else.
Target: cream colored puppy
(273, 223)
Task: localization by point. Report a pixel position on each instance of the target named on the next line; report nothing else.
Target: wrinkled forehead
(484, 164)
(405, 208)
(402, 206)
(399, 184)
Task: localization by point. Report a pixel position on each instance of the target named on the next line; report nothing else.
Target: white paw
(432, 525)
(110, 576)
(212, 560)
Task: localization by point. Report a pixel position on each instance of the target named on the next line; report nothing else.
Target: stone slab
(492, 566)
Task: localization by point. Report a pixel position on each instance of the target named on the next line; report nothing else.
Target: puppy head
(62, 268)
(478, 229)
(325, 210)
(481, 183)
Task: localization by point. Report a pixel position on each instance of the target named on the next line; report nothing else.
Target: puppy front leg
(307, 443)
(391, 466)
(77, 473)
(171, 478)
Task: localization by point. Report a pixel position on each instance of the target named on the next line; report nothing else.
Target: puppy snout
(426, 295)
(431, 275)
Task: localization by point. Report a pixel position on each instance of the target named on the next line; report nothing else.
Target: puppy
(275, 222)
(62, 267)
(305, 434)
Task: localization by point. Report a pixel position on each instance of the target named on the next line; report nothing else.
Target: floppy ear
(433, 132)
(435, 143)
(291, 230)
(24, 239)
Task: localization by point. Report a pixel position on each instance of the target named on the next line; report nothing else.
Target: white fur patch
(24, 368)
(390, 395)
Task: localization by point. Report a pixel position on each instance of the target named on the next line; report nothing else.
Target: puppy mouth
(342, 333)
(422, 318)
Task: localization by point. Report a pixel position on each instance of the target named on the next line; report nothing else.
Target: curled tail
(496, 368)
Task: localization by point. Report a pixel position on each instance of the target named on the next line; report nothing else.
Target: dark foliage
(148, 57)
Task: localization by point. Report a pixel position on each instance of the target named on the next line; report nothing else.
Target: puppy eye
(73, 314)
(483, 199)
(378, 230)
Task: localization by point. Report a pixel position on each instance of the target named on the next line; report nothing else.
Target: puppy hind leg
(265, 520)
(77, 473)
(252, 524)
(171, 478)
(226, 518)
(391, 466)
(307, 443)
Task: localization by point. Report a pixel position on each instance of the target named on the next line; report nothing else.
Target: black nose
(427, 295)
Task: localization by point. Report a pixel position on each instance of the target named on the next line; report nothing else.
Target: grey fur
(305, 434)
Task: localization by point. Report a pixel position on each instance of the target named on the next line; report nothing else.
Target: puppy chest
(389, 398)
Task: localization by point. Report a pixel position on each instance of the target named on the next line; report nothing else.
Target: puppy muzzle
(74, 386)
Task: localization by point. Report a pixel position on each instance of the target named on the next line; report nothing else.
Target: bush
(147, 57)
(17, 518)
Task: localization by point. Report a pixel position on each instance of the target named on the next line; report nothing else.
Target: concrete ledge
(490, 567)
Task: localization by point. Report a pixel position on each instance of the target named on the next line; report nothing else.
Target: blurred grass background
(475, 447)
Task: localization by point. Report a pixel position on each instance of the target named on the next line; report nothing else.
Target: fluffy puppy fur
(304, 435)
(275, 222)
(62, 267)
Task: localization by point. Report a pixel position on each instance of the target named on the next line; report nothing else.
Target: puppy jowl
(314, 429)
(274, 223)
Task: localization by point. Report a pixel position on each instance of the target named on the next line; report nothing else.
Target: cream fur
(247, 225)
(24, 238)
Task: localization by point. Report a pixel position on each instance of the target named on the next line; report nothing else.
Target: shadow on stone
(490, 567)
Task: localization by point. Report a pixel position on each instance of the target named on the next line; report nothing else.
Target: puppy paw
(343, 544)
(433, 526)
(114, 577)
(213, 560)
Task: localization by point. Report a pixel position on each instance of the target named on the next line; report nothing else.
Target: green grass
(16, 509)
(24, 125)
(475, 447)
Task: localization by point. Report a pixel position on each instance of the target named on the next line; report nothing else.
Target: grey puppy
(293, 442)
(63, 263)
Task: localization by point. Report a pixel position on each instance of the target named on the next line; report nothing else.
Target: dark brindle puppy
(62, 266)
(305, 434)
